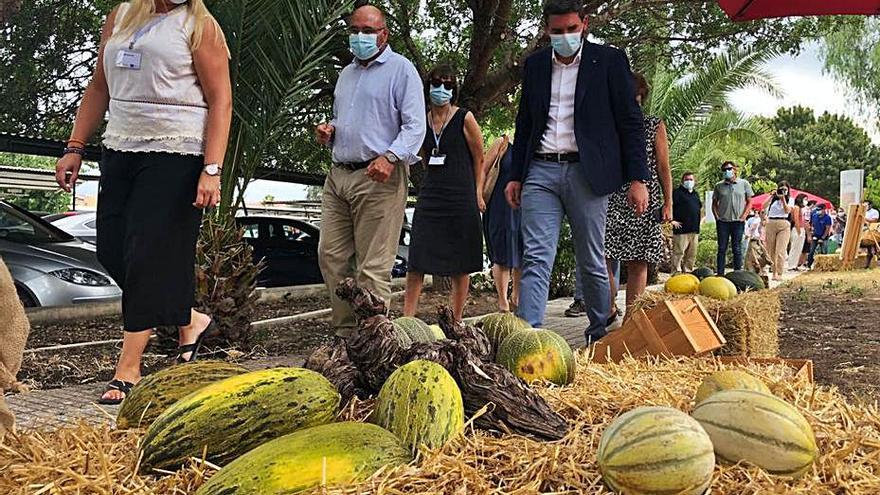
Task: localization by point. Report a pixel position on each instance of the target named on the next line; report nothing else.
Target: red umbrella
(746, 10)
(759, 200)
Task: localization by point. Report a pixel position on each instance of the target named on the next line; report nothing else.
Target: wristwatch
(391, 157)
(212, 169)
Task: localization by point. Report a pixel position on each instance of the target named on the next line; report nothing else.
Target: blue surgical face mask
(728, 174)
(566, 45)
(363, 46)
(440, 95)
(689, 185)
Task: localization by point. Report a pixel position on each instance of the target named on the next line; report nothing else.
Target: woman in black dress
(446, 232)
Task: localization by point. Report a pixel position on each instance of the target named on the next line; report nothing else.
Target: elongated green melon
(728, 380)
(155, 393)
(760, 428)
(536, 354)
(498, 326)
(745, 280)
(232, 416)
(415, 329)
(333, 454)
(654, 450)
(421, 404)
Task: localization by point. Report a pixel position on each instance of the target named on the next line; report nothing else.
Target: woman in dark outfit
(446, 232)
(501, 225)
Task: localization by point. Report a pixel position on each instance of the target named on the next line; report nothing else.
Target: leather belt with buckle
(352, 166)
(558, 157)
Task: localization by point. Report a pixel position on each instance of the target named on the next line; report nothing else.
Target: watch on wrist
(212, 169)
(391, 157)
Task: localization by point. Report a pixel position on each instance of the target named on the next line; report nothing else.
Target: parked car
(49, 266)
(81, 226)
(289, 248)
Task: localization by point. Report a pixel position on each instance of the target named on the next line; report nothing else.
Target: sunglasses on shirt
(450, 85)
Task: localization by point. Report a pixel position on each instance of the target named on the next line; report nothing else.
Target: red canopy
(759, 200)
(745, 10)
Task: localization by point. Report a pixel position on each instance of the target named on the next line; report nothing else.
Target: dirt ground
(832, 318)
(58, 368)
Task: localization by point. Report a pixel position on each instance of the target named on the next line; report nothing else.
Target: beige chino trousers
(777, 234)
(684, 251)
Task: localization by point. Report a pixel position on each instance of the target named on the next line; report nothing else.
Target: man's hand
(676, 225)
(513, 193)
(324, 134)
(380, 169)
(69, 163)
(207, 192)
(638, 197)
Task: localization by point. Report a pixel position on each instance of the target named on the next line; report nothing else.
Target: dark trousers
(729, 234)
(147, 232)
(816, 245)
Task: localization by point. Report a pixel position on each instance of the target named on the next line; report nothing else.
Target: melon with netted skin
(537, 354)
(498, 326)
(415, 329)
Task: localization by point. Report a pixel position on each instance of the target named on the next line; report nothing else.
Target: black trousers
(147, 232)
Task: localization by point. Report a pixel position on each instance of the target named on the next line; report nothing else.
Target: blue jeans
(729, 234)
(815, 246)
(550, 191)
(578, 288)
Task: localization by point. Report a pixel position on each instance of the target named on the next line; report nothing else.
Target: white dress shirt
(559, 136)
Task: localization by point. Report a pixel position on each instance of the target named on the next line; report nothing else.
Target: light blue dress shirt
(379, 108)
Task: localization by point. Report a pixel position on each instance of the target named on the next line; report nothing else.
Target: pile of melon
(704, 283)
(735, 419)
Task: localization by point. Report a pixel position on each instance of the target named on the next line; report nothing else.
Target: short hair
(686, 174)
(728, 162)
(562, 7)
(359, 4)
(443, 71)
(643, 89)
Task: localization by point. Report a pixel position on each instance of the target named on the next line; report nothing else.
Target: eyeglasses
(726, 169)
(364, 30)
(450, 85)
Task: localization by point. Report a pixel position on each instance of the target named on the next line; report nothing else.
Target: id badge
(437, 160)
(128, 59)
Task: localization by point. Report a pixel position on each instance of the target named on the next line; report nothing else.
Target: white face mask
(179, 2)
(689, 185)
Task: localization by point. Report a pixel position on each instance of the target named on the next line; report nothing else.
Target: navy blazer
(608, 123)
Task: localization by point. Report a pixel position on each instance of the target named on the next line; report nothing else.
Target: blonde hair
(140, 11)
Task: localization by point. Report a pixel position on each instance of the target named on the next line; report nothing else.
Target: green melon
(421, 404)
(327, 455)
(717, 288)
(227, 418)
(415, 329)
(155, 393)
(745, 280)
(728, 380)
(498, 326)
(703, 272)
(654, 450)
(438, 332)
(762, 429)
(536, 354)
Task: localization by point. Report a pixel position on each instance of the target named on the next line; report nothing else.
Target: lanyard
(140, 33)
(437, 137)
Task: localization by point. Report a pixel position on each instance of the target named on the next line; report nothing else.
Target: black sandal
(195, 346)
(613, 316)
(120, 385)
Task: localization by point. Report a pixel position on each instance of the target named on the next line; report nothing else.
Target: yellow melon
(759, 428)
(684, 283)
(717, 288)
(653, 450)
(729, 380)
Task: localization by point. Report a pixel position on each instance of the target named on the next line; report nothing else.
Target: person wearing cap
(731, 204)
(821, 224)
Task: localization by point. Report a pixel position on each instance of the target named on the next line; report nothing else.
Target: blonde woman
(163, 80)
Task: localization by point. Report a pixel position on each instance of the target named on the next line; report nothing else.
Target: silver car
(81, 226)
(49, 266)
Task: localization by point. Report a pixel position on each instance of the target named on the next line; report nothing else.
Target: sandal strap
(120, 385)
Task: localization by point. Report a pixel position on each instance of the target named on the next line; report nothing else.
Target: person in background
(163, 81)
(821, 225)
(577, 308)
(731, 204)
(871, 236)
(377, 131)
(501, 226)
(806, 216)
(839, 225)
(798, 232)
(778, 212)
(686, 215)
(632, 239)
(447, 237)
(575, 144)
(756, 252)
(871, 213)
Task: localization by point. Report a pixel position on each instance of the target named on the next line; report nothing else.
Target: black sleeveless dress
(446, 230)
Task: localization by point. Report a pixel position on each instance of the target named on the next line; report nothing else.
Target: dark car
(289, 249)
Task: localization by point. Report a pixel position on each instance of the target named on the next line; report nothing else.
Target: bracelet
(74, 150)
(76, 141)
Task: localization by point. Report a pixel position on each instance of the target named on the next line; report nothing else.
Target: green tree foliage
(816, 149)
(852, 53)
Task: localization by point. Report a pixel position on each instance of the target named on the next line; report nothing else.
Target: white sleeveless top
(160, 107)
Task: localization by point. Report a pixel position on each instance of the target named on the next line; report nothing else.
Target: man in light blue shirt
(377, 130)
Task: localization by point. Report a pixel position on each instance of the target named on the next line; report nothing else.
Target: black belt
(352, 166)
(558, 157)
(779, 218)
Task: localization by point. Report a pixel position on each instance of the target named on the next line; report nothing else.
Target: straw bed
(749, 321)
(833, 263)
(97, 460)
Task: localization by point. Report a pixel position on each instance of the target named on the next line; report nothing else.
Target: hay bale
(833, 263)
(749, 322)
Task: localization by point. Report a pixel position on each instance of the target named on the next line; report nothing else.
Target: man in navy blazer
(579, 137)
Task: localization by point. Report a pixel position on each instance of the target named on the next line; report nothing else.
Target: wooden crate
(679, 327)
(803, 367)
(852, 235)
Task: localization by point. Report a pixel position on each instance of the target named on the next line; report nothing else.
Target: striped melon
(535, 354)
(498, 326)
(155, 393)
(333, 454)
(728, 380)
(415, 329)
(656, 450)
(235, 415)
(760, 428)
(438, 332)
(421, 404)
